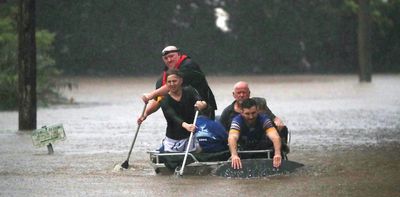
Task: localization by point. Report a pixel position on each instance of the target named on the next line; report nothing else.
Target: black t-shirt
(177, 112)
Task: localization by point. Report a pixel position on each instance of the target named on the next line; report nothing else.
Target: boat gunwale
(155, 156)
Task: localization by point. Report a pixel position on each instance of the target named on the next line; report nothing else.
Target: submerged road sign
(47, 135)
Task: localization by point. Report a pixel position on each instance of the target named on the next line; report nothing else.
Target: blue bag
(211, 135)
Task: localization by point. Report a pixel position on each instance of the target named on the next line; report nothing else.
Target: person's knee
(283, 133)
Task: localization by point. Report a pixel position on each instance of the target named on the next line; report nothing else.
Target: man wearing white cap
(193, 76)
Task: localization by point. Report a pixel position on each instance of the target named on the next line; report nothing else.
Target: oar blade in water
(256, 168)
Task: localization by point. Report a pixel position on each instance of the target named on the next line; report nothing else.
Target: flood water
(346, 133)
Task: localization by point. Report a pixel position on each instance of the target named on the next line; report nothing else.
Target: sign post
(48, 135)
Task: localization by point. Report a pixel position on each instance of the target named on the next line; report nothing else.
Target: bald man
(241, 92)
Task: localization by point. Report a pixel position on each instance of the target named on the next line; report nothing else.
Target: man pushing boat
(252, 131)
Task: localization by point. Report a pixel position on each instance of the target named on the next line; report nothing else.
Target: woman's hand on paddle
(277, 161)
(141, 119)
(236, 162)
(200, 105)
(189, 127)
(146, 98)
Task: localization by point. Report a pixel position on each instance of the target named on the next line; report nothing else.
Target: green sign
(47, 135)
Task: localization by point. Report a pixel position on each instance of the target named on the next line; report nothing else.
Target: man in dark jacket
(193, 76)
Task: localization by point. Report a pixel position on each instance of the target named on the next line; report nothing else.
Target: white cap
(169, 49)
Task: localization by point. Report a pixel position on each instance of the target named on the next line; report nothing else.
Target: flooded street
(346, 133)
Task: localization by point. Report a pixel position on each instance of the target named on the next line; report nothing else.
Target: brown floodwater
(346, 133)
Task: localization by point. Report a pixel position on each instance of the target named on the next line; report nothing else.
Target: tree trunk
(364, 41)
(26, 65)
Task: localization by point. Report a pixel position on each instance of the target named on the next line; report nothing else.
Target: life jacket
(177, 66)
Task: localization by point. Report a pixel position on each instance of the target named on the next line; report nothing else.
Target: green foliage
(46, 71)
(125, 37)
(385, 32)
(8, 56)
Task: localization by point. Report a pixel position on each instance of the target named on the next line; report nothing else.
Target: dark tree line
(126, 37)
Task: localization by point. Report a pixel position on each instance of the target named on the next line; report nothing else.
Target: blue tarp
(211, 135)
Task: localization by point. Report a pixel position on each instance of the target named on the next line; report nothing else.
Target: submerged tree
(364, 41)
(26, 65)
